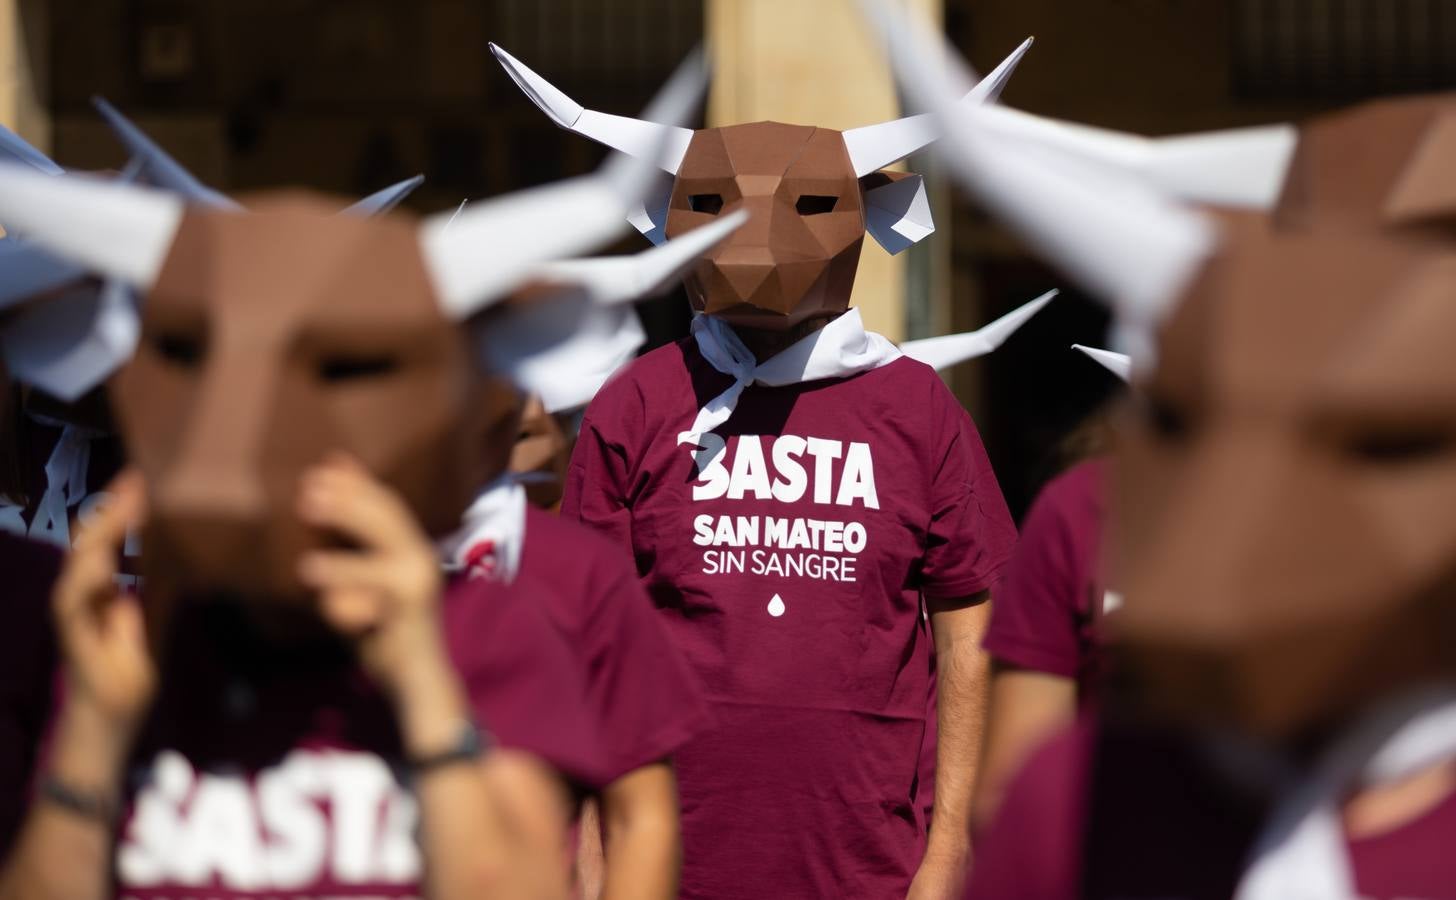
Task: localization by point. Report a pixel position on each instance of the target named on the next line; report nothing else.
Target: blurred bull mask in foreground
(1283, 531)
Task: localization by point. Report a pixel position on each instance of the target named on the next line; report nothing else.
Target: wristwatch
(468, 745)
(97, 806)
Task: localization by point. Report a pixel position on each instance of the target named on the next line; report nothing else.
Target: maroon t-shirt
(1050, 603)
(278, 774)
(646, 697)
(788, 560)
(27, 663)
(1130, 815)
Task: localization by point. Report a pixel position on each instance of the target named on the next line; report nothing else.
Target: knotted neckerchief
(1302, 853)
(839, 349)
(492, 532)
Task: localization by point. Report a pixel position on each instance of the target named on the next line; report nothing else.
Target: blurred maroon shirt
(788, 561)
(1126, 814)
(265, 771)
(645, 696)
(1050, 603)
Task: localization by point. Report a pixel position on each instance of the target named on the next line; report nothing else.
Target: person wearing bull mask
(296, 694)
(1046, 632)
(645, 697)
(58, 443)
(1281, 721)
(794, 493)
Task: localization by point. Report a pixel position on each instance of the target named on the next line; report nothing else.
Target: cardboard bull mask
(1306, 368)
(272, 336)
(1283, 529)
(812, 194)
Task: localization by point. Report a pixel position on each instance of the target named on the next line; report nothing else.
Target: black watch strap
(98, 806)
(469, 745)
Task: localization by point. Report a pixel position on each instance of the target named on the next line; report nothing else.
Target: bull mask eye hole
(338, 369)
(179, 348)
(814, 204)
(1167, 419)
(712, 204)
(1399, 446)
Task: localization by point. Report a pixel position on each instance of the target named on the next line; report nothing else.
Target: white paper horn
(648, 138)
(385, 199)
(16, 147)
(950, 349)
(1116, 235)
(491, 247)
(26, 271)
(114, 230)
(1119, 364)
(158, 166)
(1238, 167)
(610, 280)
(873, 147)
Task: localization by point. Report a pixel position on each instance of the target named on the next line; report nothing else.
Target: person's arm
(1026, 707)
(492, 827)
(1035, 634)
(639, 819)
(958, 626)
(65, 844)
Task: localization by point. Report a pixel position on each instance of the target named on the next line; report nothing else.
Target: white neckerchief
(492, 532)
(841, 348)
(65, 474)
(1302, 853)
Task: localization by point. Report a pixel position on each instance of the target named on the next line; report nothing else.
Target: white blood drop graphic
(1111, 601)
(776, 606)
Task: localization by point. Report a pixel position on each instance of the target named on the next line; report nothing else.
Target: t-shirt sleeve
(646, 695)
(1034, 619)
(971, 533)
(525, 688)
(598, 478)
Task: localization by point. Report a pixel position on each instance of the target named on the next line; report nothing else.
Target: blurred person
(58, 441)
(645, 696)
(795, 492)
(643, 817)
(304, 665)
(53, 455)
(1045, 636)
(1283, 714)
(29, 569)
(1281, 720)
(240, 734)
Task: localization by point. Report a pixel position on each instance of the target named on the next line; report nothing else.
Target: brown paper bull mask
(812, 194)
(1283, 527)
(250, 369)
(1284, 523)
